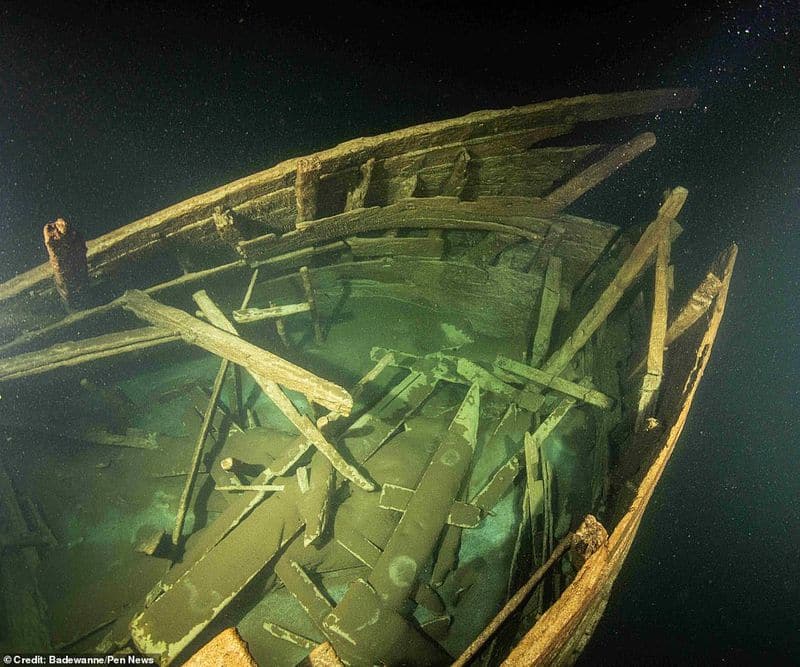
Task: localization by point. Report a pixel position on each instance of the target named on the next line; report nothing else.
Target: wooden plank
(548, 307)
(307, 176)
(559, 384)
(424, 246)
(71, 353)
(316, 502)
(255, 360)
(311, 299)
(658, 331)
(454, 185)
(415, 536)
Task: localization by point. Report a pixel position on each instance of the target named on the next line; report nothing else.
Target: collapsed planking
(365, 518)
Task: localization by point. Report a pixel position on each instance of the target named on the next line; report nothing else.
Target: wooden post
(308, 288)
(548, 306)
(305, 188)
(254, 359)
(658, 330)
(280, 327)
(67, 252)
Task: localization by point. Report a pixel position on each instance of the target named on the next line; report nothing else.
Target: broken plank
(559, 384)
(416, 533)
(248, 356)
(75, 353)
(397, 498)
(548, 306)
(358, 195)
(288, 636)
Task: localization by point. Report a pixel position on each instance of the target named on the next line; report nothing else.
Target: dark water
(110, 112)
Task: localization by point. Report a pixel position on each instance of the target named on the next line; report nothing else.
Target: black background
(110, 111)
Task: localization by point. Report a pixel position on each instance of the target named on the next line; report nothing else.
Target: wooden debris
(227, 649)
(251, 531)
(497, 486)
(64, 355)
(316, 501)
(455, 369)
(426, 513)
(397, 498)
(313, 601)
(212, 313)
(651, 382)
(548, 306)
(547, 248)
(309, 431)
(288, 636)
(25, 626)
(308, 289)
(305, 188)
(252, 488)
(358, 388)
(486, 251)
(66, 250)
(581, 392)
(302, 479)
(255, 360)
(588, 538)
(280, 328)
(358, 195)
(247, 315)
(154, 544)
(627, 273)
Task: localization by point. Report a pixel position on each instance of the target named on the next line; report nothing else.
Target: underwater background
(110, 111)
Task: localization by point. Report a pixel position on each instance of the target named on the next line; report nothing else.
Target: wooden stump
(67, 252)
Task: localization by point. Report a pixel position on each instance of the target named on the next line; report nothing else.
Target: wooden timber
(548, 306)
(658, 331)
(247, 315)
(248, 356)
(75, 353)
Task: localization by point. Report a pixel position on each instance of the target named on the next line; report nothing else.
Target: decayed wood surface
(246, 315)
(80, 352)
(560, 634)
(254, 359)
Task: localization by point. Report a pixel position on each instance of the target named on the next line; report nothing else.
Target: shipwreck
(390, 403)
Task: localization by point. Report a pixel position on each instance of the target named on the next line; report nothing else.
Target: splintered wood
(67, 252)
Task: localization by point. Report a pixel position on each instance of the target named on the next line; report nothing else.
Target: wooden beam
(305, 188)
(315, 505)
(577, 186)
(559, 384)
(658, 331)
(548, 307)
(256, 361)
(227, 229)
(76, 353)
